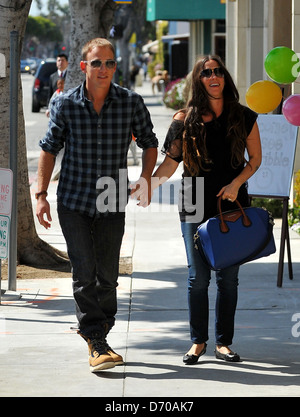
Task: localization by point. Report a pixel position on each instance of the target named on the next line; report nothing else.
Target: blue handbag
(236, 237)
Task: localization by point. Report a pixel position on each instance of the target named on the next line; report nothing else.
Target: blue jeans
(198, 302)
(94, 249)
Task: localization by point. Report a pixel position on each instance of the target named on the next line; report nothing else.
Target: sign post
(13, 155)
(6, 185)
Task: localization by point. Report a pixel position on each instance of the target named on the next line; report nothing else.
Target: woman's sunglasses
(97, 63)
(208, 72)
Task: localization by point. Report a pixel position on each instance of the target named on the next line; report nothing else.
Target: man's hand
(141, 190)
(43, 207)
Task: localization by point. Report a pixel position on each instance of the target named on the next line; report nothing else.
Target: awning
(150, 47)
(175, 37)
(185, 10)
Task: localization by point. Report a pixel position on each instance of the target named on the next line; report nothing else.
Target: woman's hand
(229, 192)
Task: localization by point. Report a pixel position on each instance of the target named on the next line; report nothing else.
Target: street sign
(4, 234)
(6, 183)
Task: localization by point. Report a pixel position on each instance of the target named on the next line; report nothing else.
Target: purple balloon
(291, 109)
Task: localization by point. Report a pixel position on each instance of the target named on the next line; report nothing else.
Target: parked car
(26, 66)
(36, 62)
(41, 84)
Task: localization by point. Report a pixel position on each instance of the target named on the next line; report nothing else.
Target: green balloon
(282, 65)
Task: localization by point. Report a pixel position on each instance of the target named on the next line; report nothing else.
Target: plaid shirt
(96, 146)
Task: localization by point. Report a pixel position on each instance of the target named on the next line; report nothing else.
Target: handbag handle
(223, 225)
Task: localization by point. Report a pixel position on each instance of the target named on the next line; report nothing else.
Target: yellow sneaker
(99, 358)
(118, 360)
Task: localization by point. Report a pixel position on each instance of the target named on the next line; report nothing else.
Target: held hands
(43, 207)
(141, 190)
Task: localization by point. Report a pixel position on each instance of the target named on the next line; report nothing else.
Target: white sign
(6, 181)
(278, 141)
(4, 234)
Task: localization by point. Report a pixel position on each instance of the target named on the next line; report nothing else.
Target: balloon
(282, 65)
(291, 109)
(263, 96)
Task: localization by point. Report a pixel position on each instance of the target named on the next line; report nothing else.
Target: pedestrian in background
(60, 74)
(94, 122)
(210, 136)
(62, 65)
(60, 89)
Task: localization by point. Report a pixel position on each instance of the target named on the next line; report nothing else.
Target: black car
(41, 84)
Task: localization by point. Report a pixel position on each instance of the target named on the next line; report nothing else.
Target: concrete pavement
(41, 354)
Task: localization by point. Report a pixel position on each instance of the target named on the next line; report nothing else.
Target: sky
(34, 11)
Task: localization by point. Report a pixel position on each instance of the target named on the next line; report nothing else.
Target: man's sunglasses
(97, 63)
(207, 73)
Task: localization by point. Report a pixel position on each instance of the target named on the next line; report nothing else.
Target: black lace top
(221, 171)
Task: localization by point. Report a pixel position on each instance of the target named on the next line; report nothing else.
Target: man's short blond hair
(93, 44)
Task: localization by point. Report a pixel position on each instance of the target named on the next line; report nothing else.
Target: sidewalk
(41, 354)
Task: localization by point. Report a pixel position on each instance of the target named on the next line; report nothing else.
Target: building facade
(206, 32)
(251, 28)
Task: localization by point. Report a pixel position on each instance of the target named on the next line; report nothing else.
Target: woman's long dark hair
(194, 149)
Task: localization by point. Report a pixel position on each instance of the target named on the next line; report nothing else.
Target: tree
(40, 30)
(43, 29)
(131, 18)
(90, 19)
(31, 250)
(125, 20)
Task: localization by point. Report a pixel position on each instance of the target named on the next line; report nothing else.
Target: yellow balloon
(263, 96)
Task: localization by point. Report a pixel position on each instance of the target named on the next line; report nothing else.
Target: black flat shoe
(192, 359)
(229, 357)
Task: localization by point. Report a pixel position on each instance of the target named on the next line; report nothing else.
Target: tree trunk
(125, 17)
(89, 19)
(31, 249)
(132, 19)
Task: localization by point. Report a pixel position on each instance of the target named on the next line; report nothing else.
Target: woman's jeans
(94, 249)
(198, 283)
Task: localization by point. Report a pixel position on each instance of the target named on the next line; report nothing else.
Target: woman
(210, 136)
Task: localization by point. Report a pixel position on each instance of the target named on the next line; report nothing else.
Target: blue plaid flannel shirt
(95, 146)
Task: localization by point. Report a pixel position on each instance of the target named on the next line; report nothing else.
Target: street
(35, 126)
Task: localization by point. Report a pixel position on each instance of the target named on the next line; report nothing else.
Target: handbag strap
(223, 225)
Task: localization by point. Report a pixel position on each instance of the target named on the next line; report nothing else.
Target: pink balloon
(291, 109)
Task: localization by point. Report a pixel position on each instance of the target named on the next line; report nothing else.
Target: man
(95, 123)
(62, 65)
(61, 73)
